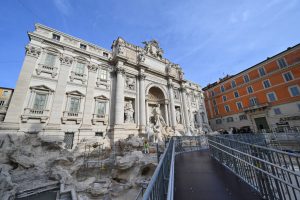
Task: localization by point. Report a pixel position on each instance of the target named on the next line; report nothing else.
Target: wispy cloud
(63, 6)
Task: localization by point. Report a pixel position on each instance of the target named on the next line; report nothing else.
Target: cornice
(75, 50)
(37, 25)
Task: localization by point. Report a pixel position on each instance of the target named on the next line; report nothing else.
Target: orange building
(263, 97)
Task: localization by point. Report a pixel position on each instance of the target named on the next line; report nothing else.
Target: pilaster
(89, 100)
(60, 93)
(17, 103)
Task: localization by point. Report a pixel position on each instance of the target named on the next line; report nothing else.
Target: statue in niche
(178, 115)
(176, 94)
(130, 83)
(157, 128)
(128, 112)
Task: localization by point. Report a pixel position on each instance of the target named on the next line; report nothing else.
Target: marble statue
(178, 116)
(130, 83)
(129, 111)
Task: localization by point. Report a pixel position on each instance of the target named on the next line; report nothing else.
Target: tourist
(146, 147)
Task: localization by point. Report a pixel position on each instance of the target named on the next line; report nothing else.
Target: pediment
(41, 87)
(75, 93)
(102, 97)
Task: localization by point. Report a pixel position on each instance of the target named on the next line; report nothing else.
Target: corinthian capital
(92, 68)
(120, 70)
(142, 76)
(66, 60)
(33, 51)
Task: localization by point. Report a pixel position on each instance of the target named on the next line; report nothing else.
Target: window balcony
(104, 82)
(257, 107)
(30, 113)
(100, 118)
(71, 116)
(78, 76)
(47, 69)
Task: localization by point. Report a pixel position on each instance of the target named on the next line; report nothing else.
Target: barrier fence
(273, 173)
(161, 185)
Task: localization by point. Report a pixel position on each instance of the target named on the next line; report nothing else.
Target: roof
(5, 88)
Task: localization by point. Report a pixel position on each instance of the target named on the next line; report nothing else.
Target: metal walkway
(198, 176)
(234, 167)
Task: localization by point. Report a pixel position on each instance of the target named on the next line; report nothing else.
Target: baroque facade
(265, 97)
(70, 86)
(5, 97)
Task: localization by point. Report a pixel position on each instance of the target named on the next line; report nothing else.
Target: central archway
(156, 98)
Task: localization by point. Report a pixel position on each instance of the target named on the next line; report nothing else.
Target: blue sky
(207, 38)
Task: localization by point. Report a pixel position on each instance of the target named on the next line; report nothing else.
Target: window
(281, 63)
(233, 84)
(218, 121)
(229, 119)
(239, 105)
(294, 91)
(261, 71)
(216, 110)
(212, 93)
(80, 68)
(2, 103)
(249, 89)
(103, 74)
(50, 60)
(266, 84)
(224, 98)
(246, 78)
(271, 96)
(55, 37)
(222, 88)
(99, 134)
(214, 102)
(243, 117)
(253, 101)
(105, 54)
(227, 108)
(5, 93)
(288, 76)
(40, 101)
(236, 94)
(277, 111)
(100, 108)
(74, 105)
(83, 46)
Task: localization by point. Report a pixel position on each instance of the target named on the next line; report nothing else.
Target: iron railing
(161, 185)
(273, 173)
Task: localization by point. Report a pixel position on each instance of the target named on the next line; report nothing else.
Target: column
(185, 109)
(57, 109)
(89, 98)
(119, 111)
(142, 96)
(167, 114)
(173, 117)
(17, 102)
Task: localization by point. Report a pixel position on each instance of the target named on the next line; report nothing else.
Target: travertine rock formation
(92, 170)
